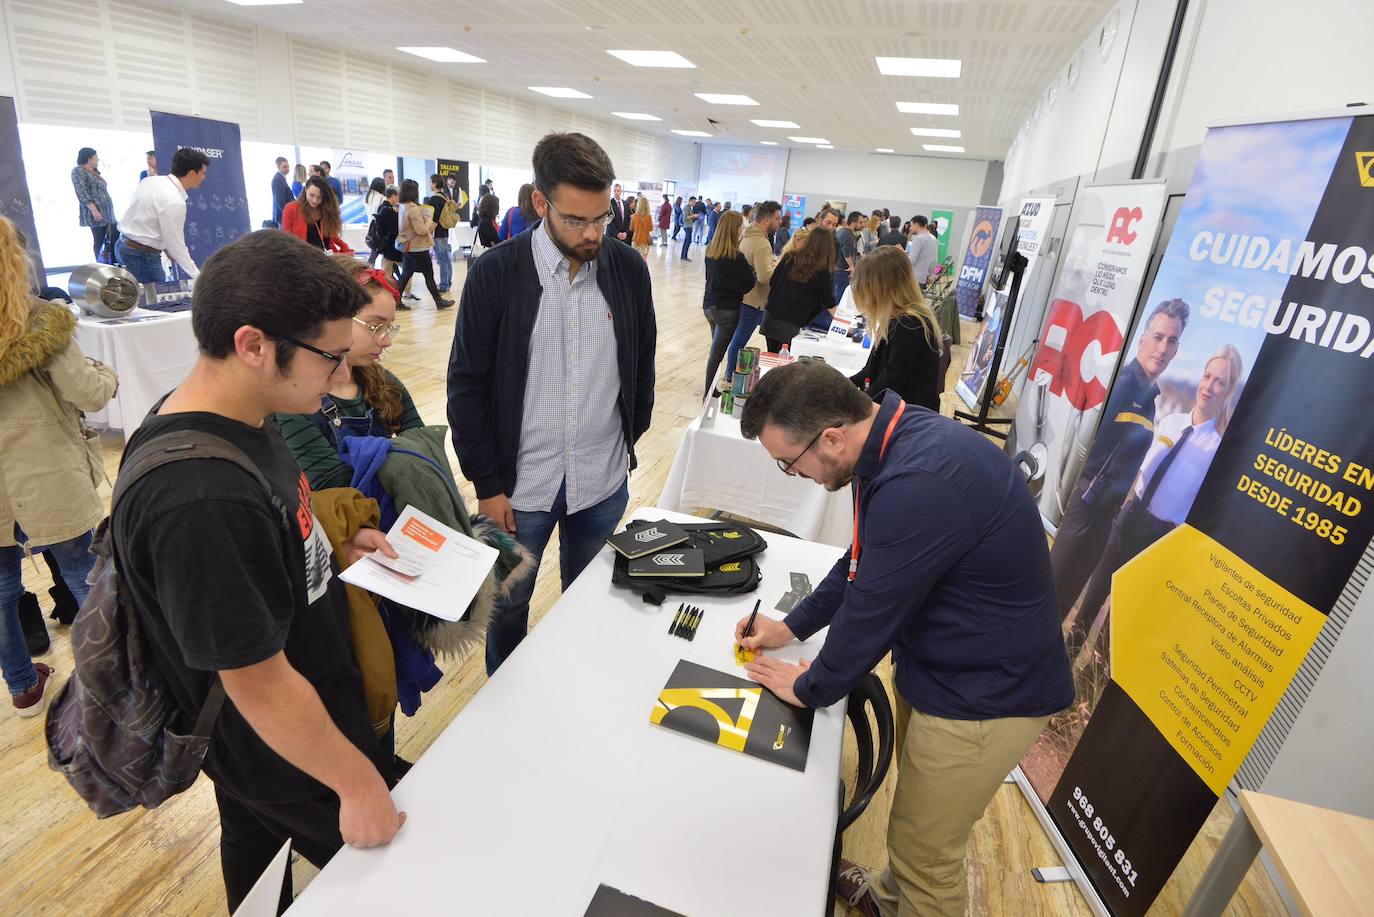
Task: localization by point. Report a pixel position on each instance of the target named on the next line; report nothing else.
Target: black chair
(873, 762)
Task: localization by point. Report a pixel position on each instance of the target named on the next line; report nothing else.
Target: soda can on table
(748, 360)
(727, 402)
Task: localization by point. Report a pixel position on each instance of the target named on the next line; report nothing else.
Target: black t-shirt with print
(217, 584)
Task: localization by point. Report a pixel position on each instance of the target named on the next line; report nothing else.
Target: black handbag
(728, 549)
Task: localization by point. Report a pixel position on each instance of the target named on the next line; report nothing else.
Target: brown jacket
(342, 511)
(50, 464)
(756, 249)
(416, 228)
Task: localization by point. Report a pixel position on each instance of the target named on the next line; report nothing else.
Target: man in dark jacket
(551, 379)
(978, 660)
(281, 191)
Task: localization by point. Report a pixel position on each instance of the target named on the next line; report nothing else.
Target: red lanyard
(882, 451)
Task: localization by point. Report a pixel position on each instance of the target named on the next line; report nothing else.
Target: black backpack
(108, 730)
(727, 547)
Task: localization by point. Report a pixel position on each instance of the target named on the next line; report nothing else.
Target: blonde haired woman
(906, 335)
(1169, 478)
(49, 463)
(642, 227)
(798, 240)
(728, 277)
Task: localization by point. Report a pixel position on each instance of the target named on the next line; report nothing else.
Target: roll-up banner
(15, 204)
(1220, 517)
(1083, 336)
(973, 273)
(216, 212)
(458, 169)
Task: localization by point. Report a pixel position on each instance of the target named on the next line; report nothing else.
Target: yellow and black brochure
(734, 713)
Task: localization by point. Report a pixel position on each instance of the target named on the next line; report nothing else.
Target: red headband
(372, 275)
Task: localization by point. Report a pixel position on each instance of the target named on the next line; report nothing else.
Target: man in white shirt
(156, 219)
(922, 250)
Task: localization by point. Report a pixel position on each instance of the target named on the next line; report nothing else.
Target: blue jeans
(581, 536)
(841, 284)
(443, 253)
(749, 321)
(75, 560)
(145, 266)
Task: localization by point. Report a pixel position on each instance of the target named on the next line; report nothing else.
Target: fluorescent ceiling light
(790, 125)
(824, 146)
(883, 149)
(724, 98)
(918, 66)
(636, 116)
(769, 142)
(443, 55)
(808, 139)
(692, 133)
(558, 92)
(941, 148)
(927, 108)
(265, 2)
(936, 132)
(653, 58)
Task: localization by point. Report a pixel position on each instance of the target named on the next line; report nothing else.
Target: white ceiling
(808, 61)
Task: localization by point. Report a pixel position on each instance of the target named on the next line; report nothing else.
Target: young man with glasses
(551, 378)
(226, 586)
(949, 572)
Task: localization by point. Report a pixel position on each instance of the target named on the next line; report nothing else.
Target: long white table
(717, 468)
(841, 353)
(150, 356)
(552, 780)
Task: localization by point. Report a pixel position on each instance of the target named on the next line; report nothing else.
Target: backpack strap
(180, 446)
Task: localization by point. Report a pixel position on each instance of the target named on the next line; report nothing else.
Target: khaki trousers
(948, 772)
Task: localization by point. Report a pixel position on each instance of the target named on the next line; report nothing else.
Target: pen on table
(697, 623)
(672, 628)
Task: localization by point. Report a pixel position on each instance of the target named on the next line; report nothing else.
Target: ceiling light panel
(558, 92)
(919, 66)
(941, 148)
(724, 98)
(789, 125)
(653, 59)
(636, 116)
(444, 55)
(808, 139)
(927, 108)
(949, 132)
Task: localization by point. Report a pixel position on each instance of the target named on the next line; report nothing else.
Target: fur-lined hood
(50, 330)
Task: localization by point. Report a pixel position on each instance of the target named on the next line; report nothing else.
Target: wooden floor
(56, 858)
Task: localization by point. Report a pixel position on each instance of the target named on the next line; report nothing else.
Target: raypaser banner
(459, 171)
(15, 204)
(216, 212)
(1232, 507)
(973, 273)
(1082, 339)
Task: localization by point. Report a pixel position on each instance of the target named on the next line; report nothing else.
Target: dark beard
(573, 254)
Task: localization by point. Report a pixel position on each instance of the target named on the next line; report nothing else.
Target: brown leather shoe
(852, 886)
(31, 702)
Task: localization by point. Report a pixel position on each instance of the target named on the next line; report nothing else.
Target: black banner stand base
(1016, 266)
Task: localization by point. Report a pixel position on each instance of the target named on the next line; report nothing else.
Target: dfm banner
(458, 188)
(1232, 507)
(15, 204)
(973, 274)
(1081, 342)
(217, 212)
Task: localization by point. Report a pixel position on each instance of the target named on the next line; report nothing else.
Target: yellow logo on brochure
(1364, 164)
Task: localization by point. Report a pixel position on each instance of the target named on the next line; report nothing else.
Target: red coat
(293, 221)
(665, 215)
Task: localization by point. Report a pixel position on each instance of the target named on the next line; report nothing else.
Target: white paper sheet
(451, 567)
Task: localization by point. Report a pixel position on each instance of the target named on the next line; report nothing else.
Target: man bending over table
(950, 572)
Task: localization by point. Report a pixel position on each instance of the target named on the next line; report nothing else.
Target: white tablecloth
(552, 780)
(841, 353)
(151, 358)
(718, 468)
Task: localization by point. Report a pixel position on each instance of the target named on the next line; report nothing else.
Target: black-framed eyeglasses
(336, 358)
(578, 225)
(786, 467)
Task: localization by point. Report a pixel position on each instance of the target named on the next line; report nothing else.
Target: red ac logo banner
(1122, 222)
(1065, 365)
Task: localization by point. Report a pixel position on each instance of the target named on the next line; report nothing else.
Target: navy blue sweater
(954, 578)
(489, 363)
